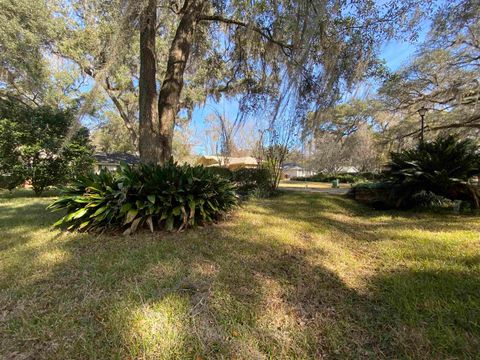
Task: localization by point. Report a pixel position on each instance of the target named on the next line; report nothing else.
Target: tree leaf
(150, 223)
(78, 214)
(132, 213)
(99, 211)
(169, 223)
(135, 224)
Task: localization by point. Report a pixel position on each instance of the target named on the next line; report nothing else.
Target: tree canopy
(152, 62)
(444, 75)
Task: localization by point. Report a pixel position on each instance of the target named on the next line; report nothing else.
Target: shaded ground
(298, 276)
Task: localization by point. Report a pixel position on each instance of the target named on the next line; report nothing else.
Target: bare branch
(472, 122)
(263, 32)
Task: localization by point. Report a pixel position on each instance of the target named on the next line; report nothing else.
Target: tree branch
(472, 122)
(258, 30)
(123, 114)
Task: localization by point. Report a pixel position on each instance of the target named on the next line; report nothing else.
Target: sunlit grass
(310, 184)
(297, 276)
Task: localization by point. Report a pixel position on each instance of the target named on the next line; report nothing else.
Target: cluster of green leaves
(248, 181)
(253, 181)
(169, 197)
(443, 167)
(40, 145)
(222, 172)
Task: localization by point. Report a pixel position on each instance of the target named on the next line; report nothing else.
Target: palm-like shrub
(169, 197)
(443, 167)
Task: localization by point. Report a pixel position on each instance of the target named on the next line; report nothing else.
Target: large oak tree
(308, 50)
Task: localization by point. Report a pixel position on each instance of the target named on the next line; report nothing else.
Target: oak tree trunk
(149, 145)
(170, 91)
(157, 123)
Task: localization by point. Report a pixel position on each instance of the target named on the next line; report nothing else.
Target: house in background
(112, 161)
(291, 170)
(347, 170)
(232, 163)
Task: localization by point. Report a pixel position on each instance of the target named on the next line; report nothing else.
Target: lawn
(296, 276)
(310, 184)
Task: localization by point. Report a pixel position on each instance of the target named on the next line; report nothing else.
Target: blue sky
(397, 53)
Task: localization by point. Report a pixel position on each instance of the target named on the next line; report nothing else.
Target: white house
(347, 169)
(291, 170)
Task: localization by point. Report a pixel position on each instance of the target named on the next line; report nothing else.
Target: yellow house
(231, 163)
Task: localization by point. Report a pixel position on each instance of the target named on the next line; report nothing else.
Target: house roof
(115, 158)
(347, 169)
(292, 166)
(216, 160)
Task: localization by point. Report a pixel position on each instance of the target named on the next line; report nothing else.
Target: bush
(443, 167)
(252, 181)
(222, 171)
(14, 178)
(385, 195)
(39, 146)
(428, 199)
(343, 178)
(248, 181)
(376, 194)
(169, 197)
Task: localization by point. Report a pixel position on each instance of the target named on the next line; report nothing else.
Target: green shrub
(248, 181)
(428, 199)
(443, 167)
(41, 145)
(169, 197)
(252, 181)
(387, 195)
(343, 178)
(222, 171)
(14, 178)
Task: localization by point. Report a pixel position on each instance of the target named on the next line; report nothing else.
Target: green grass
(297, 276)
(310, 184)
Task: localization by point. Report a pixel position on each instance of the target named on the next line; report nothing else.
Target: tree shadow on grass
(213, 292)
(230, 290)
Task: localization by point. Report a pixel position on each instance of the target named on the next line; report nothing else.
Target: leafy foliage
(29, 71)
(443, 74)
(222, 172)
(248, 181)
(443, 167)
(274, 156)
(428, 199)
(253, 181)
(41, 145)
(169, 197)
(343, 178)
